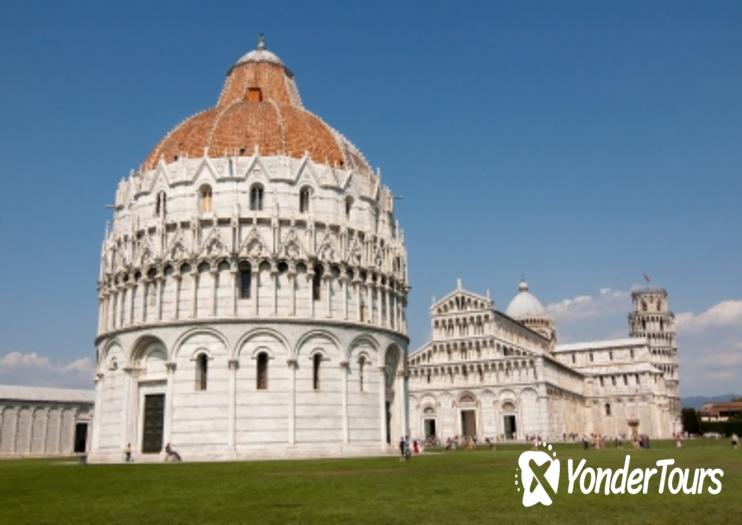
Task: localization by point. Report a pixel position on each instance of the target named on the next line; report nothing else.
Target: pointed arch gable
(305, 175)
(256, 170)
(160, 180)
(205, 173)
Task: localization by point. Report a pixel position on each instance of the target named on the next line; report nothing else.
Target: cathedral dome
(259, 111)
(525, 305)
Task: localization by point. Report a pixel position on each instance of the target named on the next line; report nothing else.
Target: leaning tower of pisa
(652, 319)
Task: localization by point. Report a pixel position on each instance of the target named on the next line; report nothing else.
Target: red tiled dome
(259, 110)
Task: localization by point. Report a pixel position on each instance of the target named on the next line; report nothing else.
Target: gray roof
(35, 393)
(599, 345)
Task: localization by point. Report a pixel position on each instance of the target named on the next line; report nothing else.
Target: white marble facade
(262, 293)
(37, 421)
(489, 374)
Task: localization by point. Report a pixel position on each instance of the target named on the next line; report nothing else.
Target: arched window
(256, 197)
(607, 409)
(204, 199)
(262, 377)
(659, 305)
(245, 280)
(348, 206)
(202, 371)
(317, 283)
(361, 365)
(304, 195)
(161, 204)
(316, 362)
(644, 306)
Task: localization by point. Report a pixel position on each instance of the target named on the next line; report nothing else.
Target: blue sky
(578, 143)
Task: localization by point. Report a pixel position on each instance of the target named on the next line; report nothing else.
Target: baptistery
(252, 288)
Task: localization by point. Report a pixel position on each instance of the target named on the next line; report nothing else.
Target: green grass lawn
(446, 488)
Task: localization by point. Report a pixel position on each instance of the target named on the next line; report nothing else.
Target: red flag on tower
(646, 278)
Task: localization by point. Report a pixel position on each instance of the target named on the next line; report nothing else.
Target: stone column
(176, 300)
(274, 295)
(124, 288)
(328, 292)
(128, 414)
(132, 297)
(344, 283)
(370, 302)
(159, 290)
(143, 285)
(379, 301)
(115, 309)
(95, 439)
(344, 367)
(387, 304)
(167, 427)
(382, 404)
(400, 398)
(357, 285)
(60, 431)
(292, 400)
(235, 289)
(292, 285)
(310, 290)
(214, 291)
(194, 293)
(32, 417)
(104, 313)
(395, 308)
(254, 288)
(15, 422)
(233, 365)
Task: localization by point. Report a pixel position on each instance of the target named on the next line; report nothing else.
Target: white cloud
(35, 370)
(724, 314)
(583, 307)
(17, 359)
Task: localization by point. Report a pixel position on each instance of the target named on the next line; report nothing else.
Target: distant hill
(698, 401)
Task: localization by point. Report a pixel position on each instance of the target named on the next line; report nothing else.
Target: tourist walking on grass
(127, 452)
(401, 449)
(735, 440)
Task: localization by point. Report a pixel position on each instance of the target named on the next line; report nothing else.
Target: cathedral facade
(252, 288)
(501, 375)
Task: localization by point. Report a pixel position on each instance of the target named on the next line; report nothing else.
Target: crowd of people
(409, 447)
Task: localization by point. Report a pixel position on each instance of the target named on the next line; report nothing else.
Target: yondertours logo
(537, 477)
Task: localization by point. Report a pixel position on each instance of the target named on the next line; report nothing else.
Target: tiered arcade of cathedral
(252, 289)
(489, 374)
